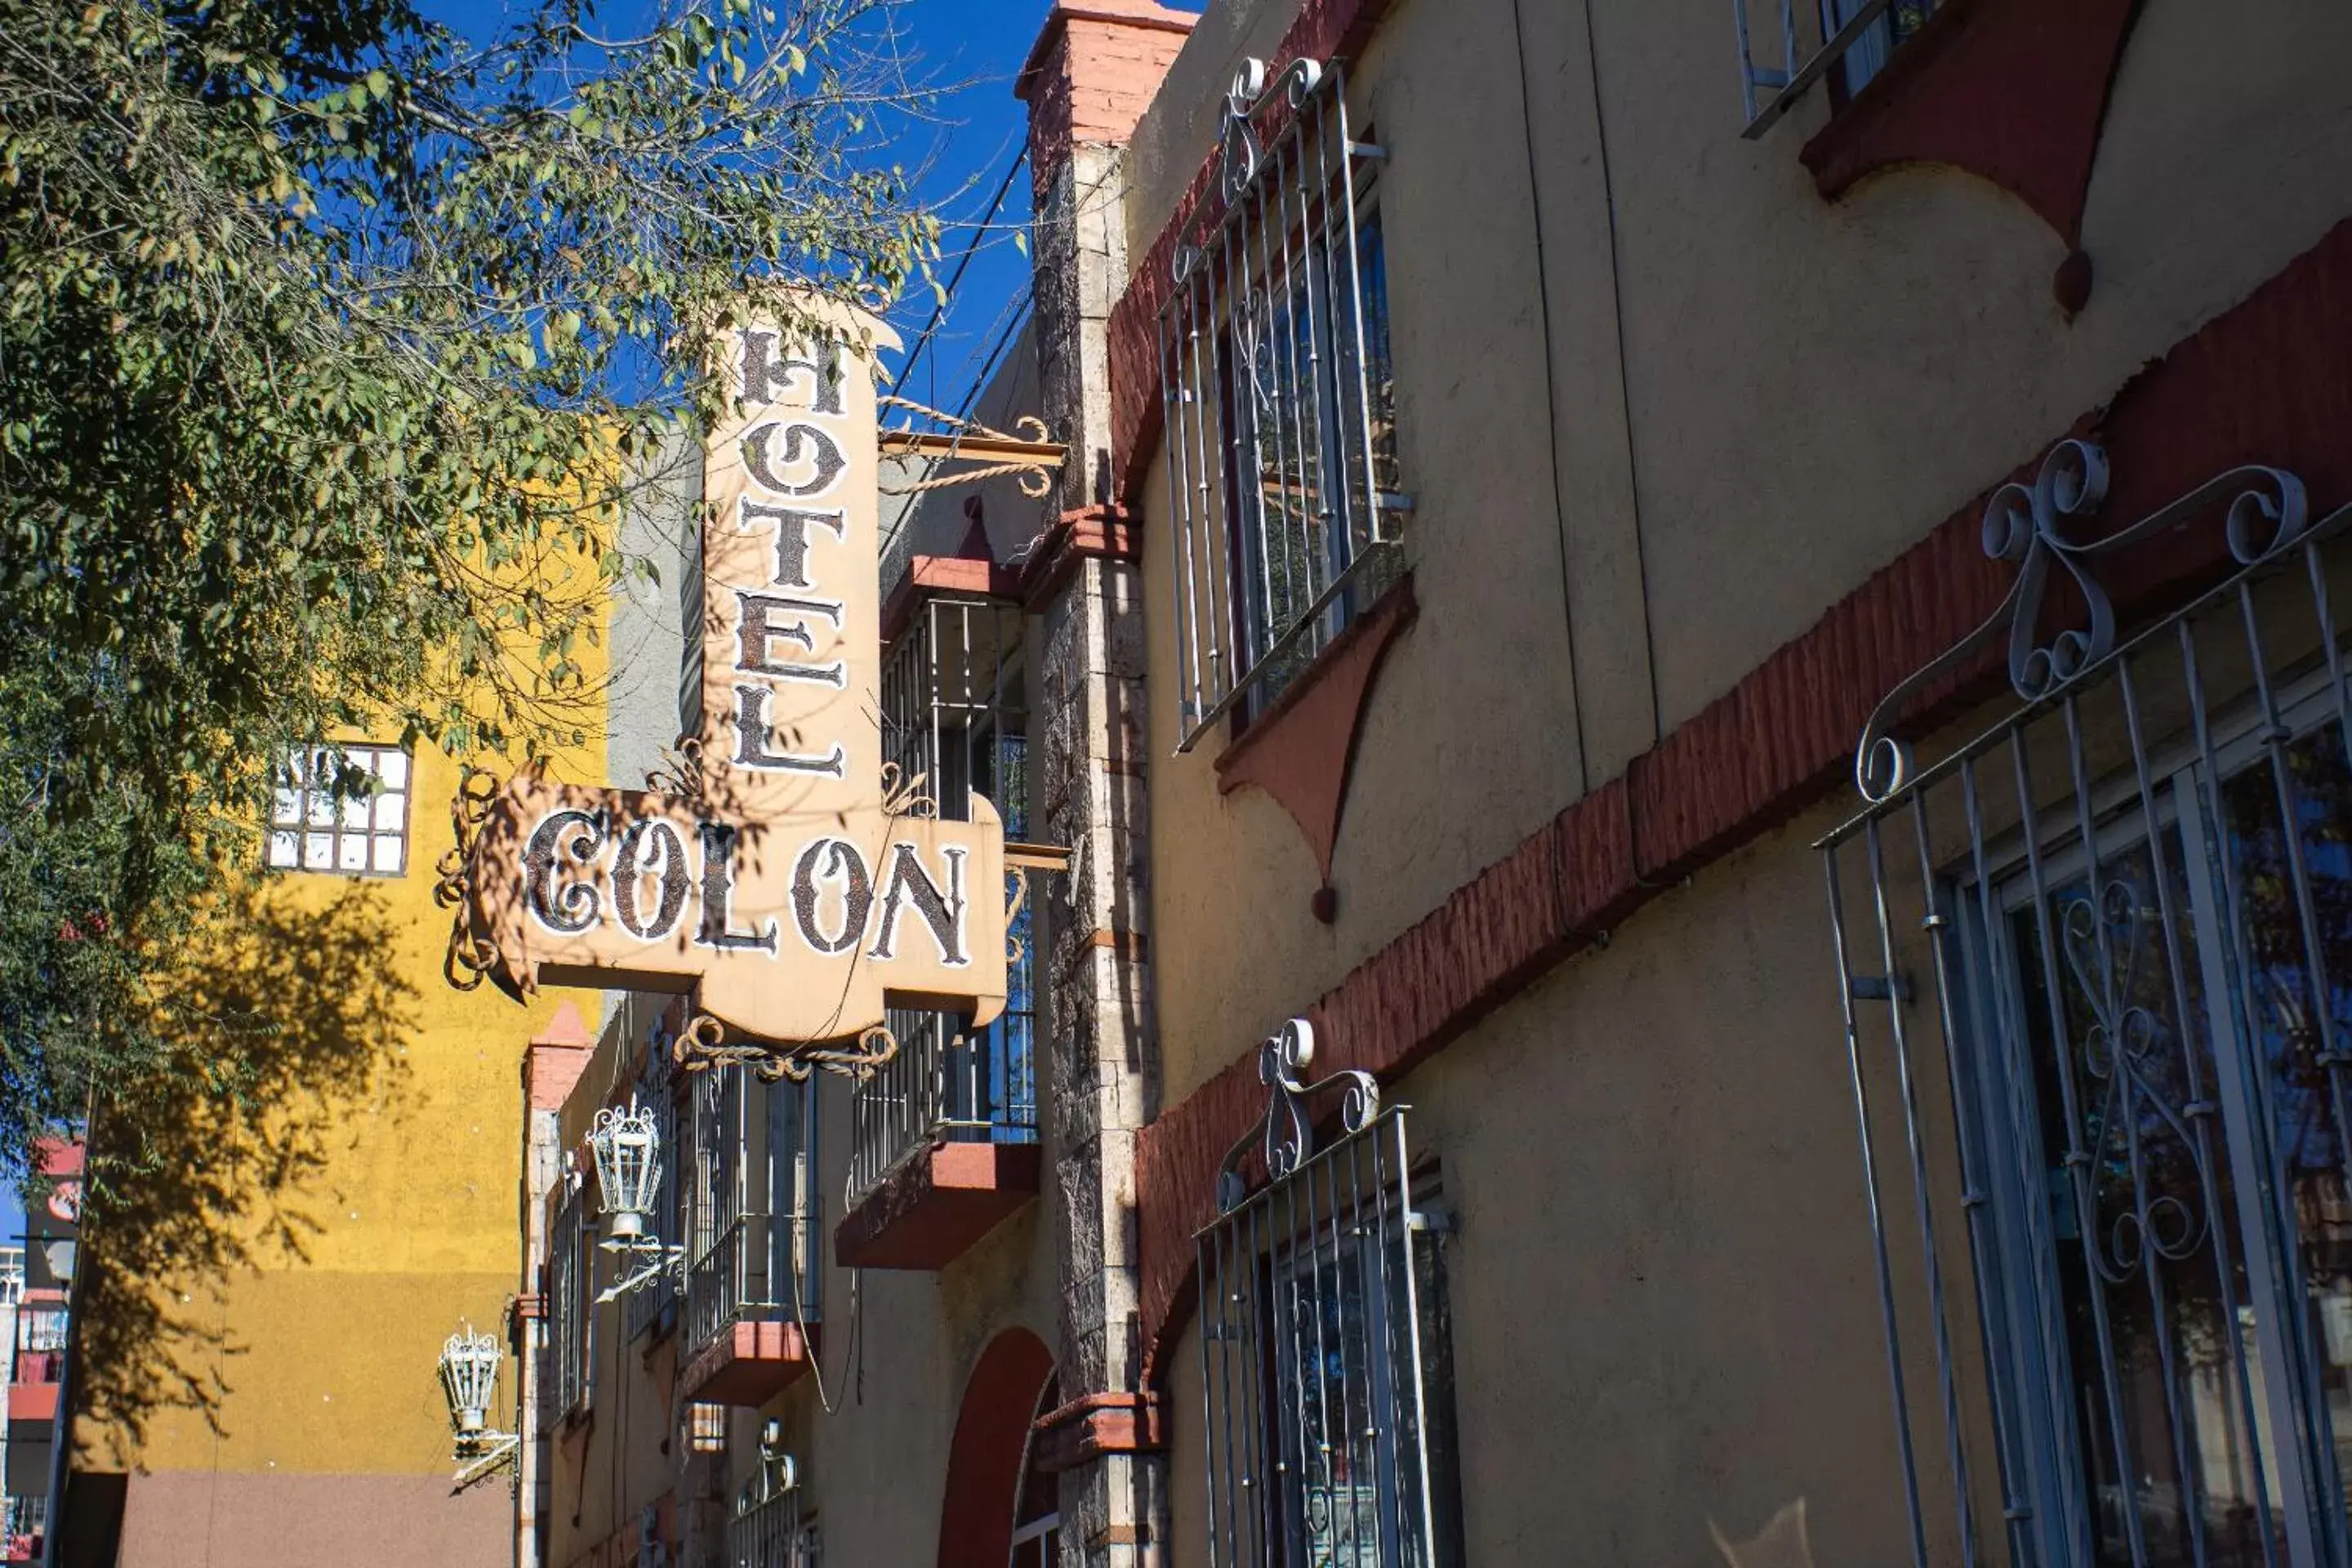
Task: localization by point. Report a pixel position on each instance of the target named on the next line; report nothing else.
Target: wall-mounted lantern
(625, 1148)
(469, 1380)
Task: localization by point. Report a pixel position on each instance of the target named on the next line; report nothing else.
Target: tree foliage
(327, 336)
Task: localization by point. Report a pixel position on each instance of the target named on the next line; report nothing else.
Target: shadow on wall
(1782, 1543)
(286, 1022)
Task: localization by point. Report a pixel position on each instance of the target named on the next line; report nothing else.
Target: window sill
(1302, 749)
(2010, 91)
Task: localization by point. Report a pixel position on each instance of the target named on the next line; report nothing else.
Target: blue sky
(979, 44)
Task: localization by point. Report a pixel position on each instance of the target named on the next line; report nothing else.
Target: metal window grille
(43, 1328)
(654, 1305)
(752, 1256)
(569, 1315)
(1326, 1410)
(341, 809)
(1856, 38)
(1278, 398)
(953, 715)
(2096, 965)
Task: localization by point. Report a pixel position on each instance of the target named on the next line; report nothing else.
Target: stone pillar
(1090, 76)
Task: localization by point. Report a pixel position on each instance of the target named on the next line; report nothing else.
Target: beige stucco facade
(1674, 422)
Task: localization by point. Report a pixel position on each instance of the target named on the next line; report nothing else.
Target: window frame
(293, 788)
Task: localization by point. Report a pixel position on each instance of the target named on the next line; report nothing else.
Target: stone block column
(1093, 71)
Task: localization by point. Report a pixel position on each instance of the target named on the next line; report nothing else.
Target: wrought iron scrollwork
(703, 1045)
(1242, 151)
(2267, 513)
(1286, 1137)
(1029, 455)
(470, 957)
(2123, 1051)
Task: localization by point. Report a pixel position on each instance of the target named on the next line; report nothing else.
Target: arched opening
(990, 1451)
(1037, 1507)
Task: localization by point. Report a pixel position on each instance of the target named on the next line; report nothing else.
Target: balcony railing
(770, 1533)
(942, 1087)
(27, 1524)
(746, 1276)
(1856, 38)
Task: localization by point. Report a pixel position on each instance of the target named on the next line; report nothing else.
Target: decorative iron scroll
(2267, 514)
(703, 1045)
(1242, 151)
(1288, 1136)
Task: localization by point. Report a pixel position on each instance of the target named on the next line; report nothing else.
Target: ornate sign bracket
(959, 439)
(1287, 1136)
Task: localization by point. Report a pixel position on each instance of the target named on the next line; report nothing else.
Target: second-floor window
(570, 1314)
(1788, 46)
(1278, 397)
(341, 809)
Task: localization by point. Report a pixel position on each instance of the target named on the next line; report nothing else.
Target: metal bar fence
(1277, 398)
(2095, 977)
(755, 1223)
(1315, 1431)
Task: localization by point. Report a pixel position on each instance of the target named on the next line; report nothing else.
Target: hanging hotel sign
(793, 885)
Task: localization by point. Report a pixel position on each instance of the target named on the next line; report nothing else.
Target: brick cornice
(2263, 382)
(1104, 532)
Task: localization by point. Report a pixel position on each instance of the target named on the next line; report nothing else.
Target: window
(1857, 39)
(1326, 1363)
(2123, 921)
(341, 809)
(570, 1319)
(1279, 399)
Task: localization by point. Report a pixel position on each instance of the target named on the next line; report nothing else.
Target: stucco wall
(1809, 386)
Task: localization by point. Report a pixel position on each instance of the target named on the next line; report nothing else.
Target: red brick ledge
(926, 575)
(930, 1211)
(1108, 532)
(1099, 1424)
(2263, 382)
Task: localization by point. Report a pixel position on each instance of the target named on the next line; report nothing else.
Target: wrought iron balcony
(745, 1337)
(941, 1086)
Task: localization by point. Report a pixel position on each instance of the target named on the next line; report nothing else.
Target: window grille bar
(2178, 804)
(2200, 1094)
(1315, 1435)
(1915, 1146)
(2286, 1341)
(1877, 1219)
(1794, 80)
(1274, 458)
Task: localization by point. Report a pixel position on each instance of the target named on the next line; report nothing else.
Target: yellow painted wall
(272, 1310)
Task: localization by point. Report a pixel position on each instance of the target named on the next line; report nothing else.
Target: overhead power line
(940, 311)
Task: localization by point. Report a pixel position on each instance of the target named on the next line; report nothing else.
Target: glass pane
(357, 811)
(322, 808)
(2142, 1220)
(285, 849)
(388, 808)
(351, 852)
(318, 851)
(392, 768)
(2298, 944)
(387, 853)
(286, 806)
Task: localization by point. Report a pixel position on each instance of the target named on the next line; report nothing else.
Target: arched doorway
(1037, 1506)
(990, 1450)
